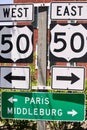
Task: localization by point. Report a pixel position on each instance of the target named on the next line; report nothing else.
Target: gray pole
(42, 51)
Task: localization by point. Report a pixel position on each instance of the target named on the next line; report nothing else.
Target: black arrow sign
(73, 78)
(10, 77)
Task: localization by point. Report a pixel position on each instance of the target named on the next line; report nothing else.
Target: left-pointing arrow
(11, 100)
(10, 77)
(73, 78)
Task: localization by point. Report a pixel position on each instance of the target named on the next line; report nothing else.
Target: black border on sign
(19, 19)
(53, 58)
(64, 18)
(29, 59)
(14, 87)
(55, 66)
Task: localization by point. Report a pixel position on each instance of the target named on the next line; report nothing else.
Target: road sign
(16, 12)
(15, 77)
(43, 106)
(68, 42)
(16, 44)
(69, 10)
(72, 78)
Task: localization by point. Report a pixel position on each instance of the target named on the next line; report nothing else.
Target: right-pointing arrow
(73, 78)
(73, 112)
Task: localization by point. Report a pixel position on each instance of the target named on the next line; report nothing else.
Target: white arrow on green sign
(43, 106)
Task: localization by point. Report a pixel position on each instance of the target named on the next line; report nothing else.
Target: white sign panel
(68, 42)
(15, 77)
(16, 44)
(69, 10)
(72, 78)
(16, 12)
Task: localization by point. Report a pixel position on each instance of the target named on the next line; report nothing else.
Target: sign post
(42, 43)
(43, 106)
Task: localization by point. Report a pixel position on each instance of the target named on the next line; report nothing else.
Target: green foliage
(33, 72)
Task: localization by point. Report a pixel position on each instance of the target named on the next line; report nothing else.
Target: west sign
(20, 12)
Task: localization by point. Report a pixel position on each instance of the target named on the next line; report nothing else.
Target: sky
(6, 1)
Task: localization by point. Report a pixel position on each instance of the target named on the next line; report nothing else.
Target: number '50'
(57, 39)
(5, 40)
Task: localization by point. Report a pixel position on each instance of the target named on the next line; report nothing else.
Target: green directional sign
(43, 106)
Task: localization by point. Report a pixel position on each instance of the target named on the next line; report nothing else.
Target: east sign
(69, 10)
(68, 42)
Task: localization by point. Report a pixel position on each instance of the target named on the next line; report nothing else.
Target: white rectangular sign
(15, 77)
(16, 12)
(68, 78)
(69, 10)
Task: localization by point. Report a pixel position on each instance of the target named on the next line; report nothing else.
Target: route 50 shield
(68, 42)
(16, 44)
